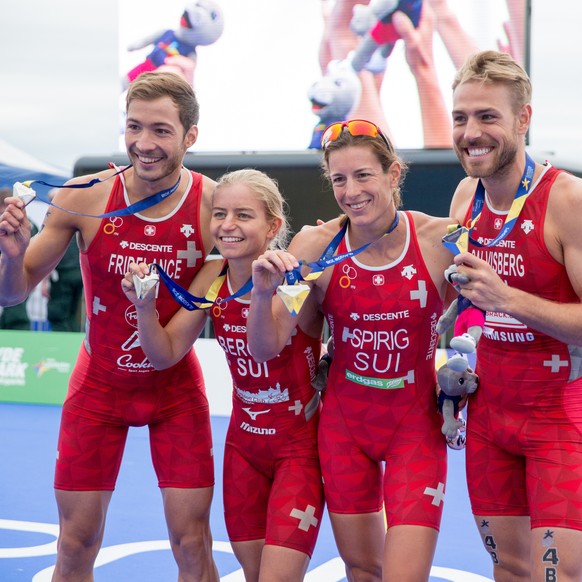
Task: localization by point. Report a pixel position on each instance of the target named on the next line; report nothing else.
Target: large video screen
(270, 74)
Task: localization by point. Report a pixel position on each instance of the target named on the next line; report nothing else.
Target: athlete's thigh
(352, 480)
(296, 503)
(187, 510)
(89, 452)
(554, 472)
(360, 540)
(279, 564)
(249, 555)
(82, 514)
(496, 478)
(181, 447)
(556, 555)
(403, 541)
(416, 473)
(246, 493)
(507, 540)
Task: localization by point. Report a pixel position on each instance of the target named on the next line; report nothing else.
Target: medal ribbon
(521, 196)
(191, 302)
(131, 209)
(328, 258)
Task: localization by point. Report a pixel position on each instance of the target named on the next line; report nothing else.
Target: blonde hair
(489, 67)
(267, 191)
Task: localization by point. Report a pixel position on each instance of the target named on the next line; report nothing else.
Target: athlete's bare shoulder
(70, 206)
(310, 242)
(208, 186)
(206, 276)
(90, 200)
(430, 231)
(430, 227)
(562, 223)
(567, 189)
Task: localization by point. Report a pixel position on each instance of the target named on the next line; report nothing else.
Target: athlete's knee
(510, 573)
(76, 556)
(364, 572)
(510, 555)
(192, 546)
(193, 555)
(76, 537)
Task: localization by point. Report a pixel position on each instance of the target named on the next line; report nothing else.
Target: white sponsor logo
(126, 361)
(385, 316)
(257, 430)
(187, 230)
(254, 415)
(235, 328)
(151, 247)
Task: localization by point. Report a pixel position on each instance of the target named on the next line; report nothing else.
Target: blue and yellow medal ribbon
(329, 258)
(458, 238)
(518, 203)
(457, 241)
(192, 302)
(294, 294)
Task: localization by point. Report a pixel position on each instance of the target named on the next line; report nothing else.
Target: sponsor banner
(35, 367)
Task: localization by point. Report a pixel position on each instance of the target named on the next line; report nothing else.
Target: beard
(498, 167)
(158, 171)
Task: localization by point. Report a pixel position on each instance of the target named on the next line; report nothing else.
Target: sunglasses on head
(355, 127)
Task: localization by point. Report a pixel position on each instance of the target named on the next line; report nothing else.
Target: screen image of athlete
(273, 494)
(113, 385)
(524, 268)
(382, 302)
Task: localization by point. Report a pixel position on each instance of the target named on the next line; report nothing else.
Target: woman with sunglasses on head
(272, 489)
(382, 454)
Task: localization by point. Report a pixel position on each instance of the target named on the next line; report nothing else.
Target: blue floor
(135, 545)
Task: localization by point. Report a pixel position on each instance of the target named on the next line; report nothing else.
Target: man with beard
(155, 211)
(524, 268)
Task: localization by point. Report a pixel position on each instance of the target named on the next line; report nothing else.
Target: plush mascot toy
(468, 322)
(333, 96)
(202, 23)
(373, 22)
(454, 385)
(456, 378)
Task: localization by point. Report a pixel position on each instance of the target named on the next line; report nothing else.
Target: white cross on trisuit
(306, 518)
(97, 306)
(297, 407)
(421, 294)
(438, 494)
(555, 363)
(191, 254)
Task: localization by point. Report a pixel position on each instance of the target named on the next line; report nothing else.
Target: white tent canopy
(18, 166)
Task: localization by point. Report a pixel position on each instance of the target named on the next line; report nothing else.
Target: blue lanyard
(328, 258)
(192, 302)
(521, 196)
(134, 208)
